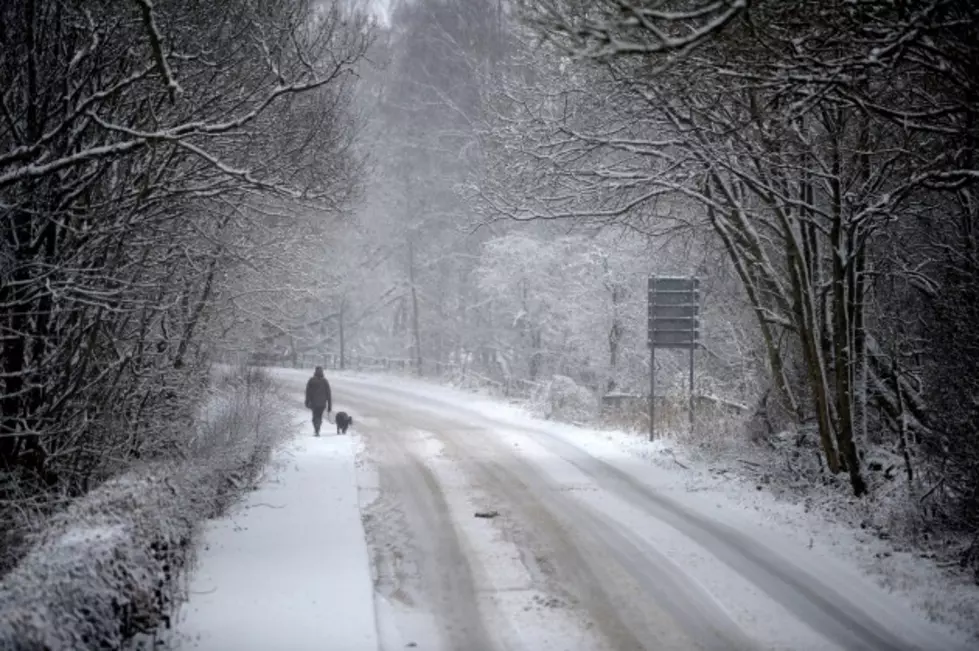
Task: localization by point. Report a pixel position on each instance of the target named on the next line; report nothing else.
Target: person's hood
(318, 372)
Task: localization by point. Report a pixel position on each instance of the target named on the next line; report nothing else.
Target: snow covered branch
(611, 28)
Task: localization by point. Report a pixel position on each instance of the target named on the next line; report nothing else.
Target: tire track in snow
(610, 575)
(419, 559)
(566, 569)
(636, 595)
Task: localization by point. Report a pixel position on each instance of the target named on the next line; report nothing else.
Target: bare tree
(804, 143)
(138, 143)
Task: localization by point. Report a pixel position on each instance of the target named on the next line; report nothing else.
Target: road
(578, 553)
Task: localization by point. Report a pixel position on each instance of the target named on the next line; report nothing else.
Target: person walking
(318, 397)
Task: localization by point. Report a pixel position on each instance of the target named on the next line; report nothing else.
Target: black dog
(343, 420)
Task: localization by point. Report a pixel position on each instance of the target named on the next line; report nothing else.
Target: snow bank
(107, 568)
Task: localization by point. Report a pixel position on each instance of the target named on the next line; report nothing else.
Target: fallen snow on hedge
(111, 565)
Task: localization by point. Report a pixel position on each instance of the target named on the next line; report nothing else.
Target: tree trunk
(416, 343)
(842, 324)
(614, 337)
(340, 318)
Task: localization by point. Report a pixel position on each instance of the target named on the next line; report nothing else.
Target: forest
(477, 191)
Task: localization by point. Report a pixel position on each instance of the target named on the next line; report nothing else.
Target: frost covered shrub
(101, 571)
(109, 566)
(563, 399)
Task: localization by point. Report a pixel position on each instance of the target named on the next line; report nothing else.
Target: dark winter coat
(318, 393)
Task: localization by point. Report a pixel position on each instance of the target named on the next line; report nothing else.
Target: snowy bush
(562, 399)
(108, 567)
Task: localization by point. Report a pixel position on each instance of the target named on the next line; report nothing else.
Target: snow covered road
(584, 553)
(583, 547)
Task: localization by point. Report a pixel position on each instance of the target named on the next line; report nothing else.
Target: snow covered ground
(288, 567)
(590, 540)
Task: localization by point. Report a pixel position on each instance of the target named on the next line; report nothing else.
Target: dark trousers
(318, 418)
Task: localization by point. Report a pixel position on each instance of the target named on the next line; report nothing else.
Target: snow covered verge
(818, 518)
(111, 567)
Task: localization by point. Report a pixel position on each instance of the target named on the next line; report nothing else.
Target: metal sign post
(674, 305)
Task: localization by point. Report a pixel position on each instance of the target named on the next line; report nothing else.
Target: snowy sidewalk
(288, 568)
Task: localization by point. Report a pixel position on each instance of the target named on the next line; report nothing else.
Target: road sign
(672, 298)
(668, 339)
(673, 322)
(673, 311)
(673, 308)
(672, 283)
